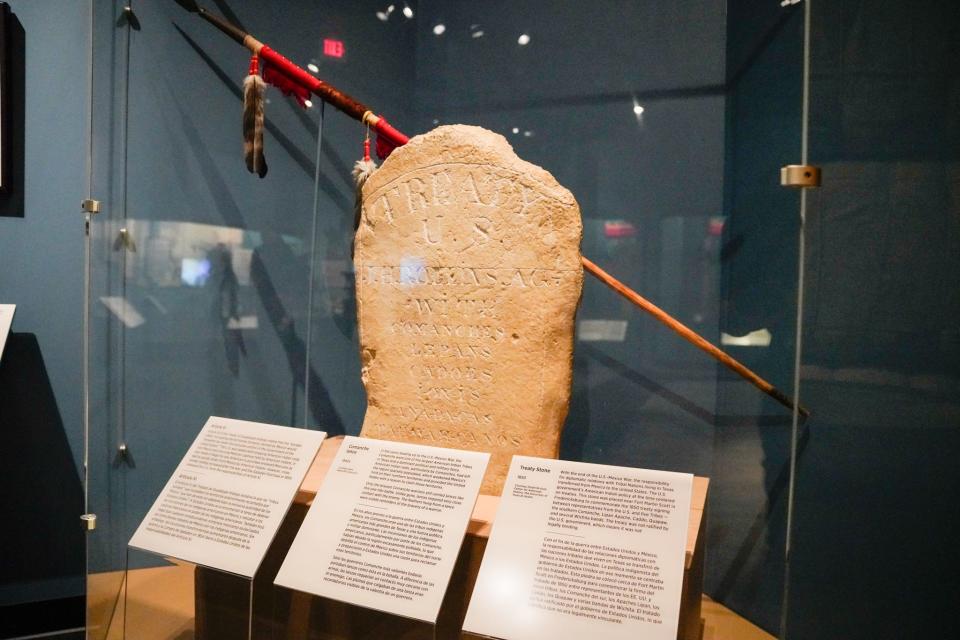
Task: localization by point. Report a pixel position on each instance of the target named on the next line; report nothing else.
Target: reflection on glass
(123, 310)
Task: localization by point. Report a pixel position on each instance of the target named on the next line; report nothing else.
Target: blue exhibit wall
(873, 551)
(750, 486)
(41, 254)
(876, 519)
(41, 257)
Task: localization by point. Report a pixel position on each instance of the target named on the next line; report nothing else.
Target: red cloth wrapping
(287, 85)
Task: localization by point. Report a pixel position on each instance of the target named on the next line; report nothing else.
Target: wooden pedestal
(222, 600)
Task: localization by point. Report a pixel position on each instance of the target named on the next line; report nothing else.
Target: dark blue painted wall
(876, 495)
(41, 272)
(41, 254)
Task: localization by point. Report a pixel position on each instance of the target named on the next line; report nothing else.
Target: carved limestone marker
(468, 278)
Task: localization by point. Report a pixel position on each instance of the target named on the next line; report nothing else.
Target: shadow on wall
(41, 497)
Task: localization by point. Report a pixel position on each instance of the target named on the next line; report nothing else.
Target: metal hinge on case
(89, 521)
(89, 207)
(124, 457)
(129, 18)
(800, 176)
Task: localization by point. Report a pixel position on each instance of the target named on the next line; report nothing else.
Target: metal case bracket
(801, 176)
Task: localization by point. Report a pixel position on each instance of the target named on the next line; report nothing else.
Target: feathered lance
(293, 80)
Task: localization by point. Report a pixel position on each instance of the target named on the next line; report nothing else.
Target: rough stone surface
(468, 278)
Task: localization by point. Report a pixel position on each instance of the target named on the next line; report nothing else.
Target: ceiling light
(438, 29)
(308, 103)
(523, 40)
(314, 68)
(407, 11)
(637, 109)
(516, 129)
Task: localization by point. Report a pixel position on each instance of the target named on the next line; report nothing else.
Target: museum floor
(161, 606)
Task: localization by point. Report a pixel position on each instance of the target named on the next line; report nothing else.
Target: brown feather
(253, 122)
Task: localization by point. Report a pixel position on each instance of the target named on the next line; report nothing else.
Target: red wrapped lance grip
(337, 98)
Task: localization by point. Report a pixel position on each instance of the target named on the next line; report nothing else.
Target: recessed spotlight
(528, 134)
(383, 16)
(308, 103)
(637, 109)
(407, 11)
(523, 40)
(438, 29)
(314, 68)
(515, 129)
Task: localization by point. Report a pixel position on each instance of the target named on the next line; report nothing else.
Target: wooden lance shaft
(690, 335)
(359, 111)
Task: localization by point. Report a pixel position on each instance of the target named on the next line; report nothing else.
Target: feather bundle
(253, 121)
(362, 170)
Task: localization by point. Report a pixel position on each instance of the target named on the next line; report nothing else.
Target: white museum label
(6, 320)
(386, 526)
(224, 503)
(583, 551)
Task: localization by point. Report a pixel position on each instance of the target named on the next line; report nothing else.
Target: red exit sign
(333, 48)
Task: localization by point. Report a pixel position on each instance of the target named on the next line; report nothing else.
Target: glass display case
(216, 292)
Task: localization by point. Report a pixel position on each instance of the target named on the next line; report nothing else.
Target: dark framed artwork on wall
(12, 84)
(4, 146)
